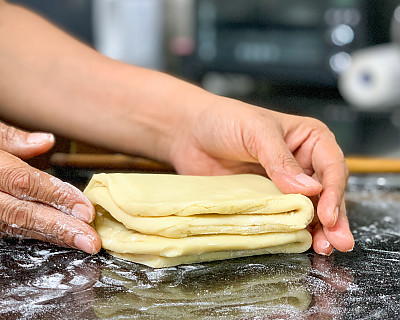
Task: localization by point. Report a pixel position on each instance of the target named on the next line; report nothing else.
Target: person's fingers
(331, 209)
(330, 166)
(281, 166)
(24, 144)
(340, 235)
(316, 150)
(26, 183)
(39, 221)
(321, 153)
(320, 243)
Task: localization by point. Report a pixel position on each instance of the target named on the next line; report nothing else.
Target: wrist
(158, 109)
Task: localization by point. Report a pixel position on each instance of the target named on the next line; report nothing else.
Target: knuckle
(59, 196)
(251, 143)
(282, 163)
(17, 215)
(316, 123)
(21, 183)
(8, 136)
(24, 215)
(12, 231)
(320, 129)
(288, 162)
(31, 185)
(20, 218)
(57, 231)
(23, 233)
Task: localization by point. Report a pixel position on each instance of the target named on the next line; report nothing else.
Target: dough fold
(164, 220)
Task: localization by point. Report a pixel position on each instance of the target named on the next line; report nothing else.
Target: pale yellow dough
(163, 220)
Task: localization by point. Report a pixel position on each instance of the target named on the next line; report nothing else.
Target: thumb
(283, 169)
(24, 144)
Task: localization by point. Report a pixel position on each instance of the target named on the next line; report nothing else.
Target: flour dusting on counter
(42, 281)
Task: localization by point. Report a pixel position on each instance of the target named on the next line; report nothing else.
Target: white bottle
(131, 31)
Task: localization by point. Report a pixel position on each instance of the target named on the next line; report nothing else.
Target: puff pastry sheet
(164, 220)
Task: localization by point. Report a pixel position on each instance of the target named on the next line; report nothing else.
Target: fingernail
(352, 248)
(39, 138)
(84, 243)
(82, 212)
(307, 180)
(335, 215)
(325, 245)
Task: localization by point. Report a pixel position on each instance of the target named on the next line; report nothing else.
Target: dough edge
(155, 261)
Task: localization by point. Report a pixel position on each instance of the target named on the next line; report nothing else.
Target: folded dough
(164, 220)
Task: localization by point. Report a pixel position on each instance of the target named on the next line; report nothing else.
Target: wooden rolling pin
(373, 165)
(107, 161)
(119, 161)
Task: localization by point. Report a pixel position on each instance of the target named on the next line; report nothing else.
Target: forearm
(53, 82)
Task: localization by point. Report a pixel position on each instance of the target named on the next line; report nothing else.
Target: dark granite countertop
(41, 281)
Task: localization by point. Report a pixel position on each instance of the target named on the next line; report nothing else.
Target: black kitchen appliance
(304, 42)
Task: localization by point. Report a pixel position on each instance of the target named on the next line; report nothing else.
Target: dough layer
(166, 195)
(227, 211)
(166, 220)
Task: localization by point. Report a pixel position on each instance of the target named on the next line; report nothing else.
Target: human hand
(225, 136)
(34, 204)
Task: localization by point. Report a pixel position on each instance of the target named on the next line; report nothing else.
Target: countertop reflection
(41, 281)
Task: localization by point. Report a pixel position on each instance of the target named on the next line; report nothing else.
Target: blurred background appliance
(372, 81)
(305, 42)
